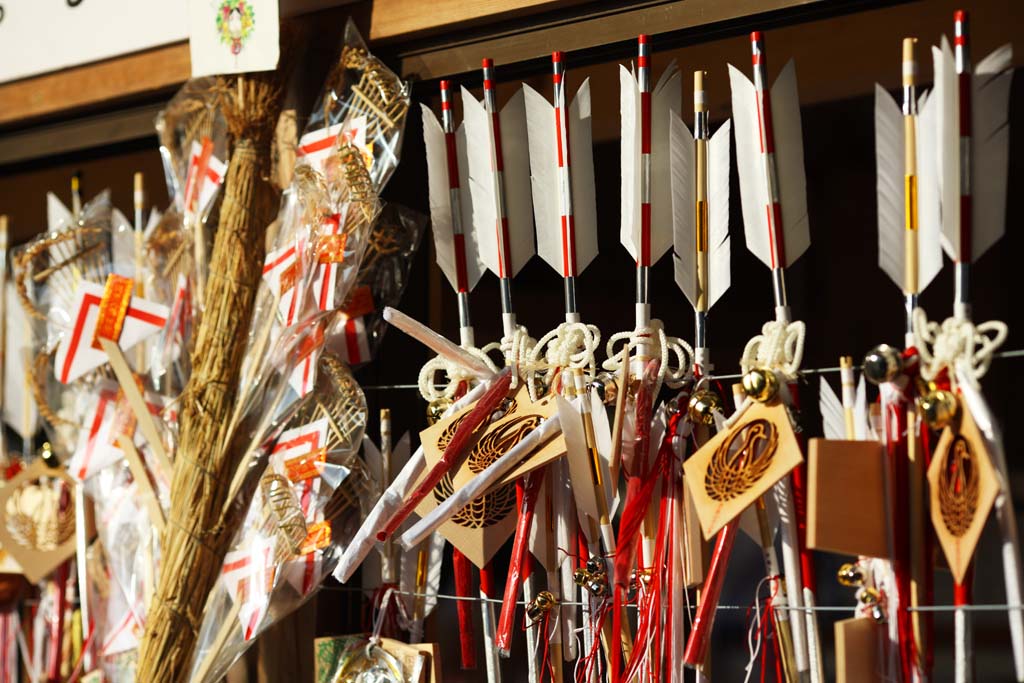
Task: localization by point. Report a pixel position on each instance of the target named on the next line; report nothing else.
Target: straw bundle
(196, 537)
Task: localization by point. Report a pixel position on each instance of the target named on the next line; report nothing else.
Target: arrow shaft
(455, 205)
(766, 135)
(498, 179)
(961, 46)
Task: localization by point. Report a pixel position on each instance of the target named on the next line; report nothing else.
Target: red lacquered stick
(454, 450)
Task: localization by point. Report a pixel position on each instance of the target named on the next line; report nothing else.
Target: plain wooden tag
(720, 491)
(580, 466)
(962, 487)
(483, 526)
(846, 511)
(858, 650)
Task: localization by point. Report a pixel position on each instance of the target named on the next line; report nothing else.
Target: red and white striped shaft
(498, 170)
(963, 77)
(644, 82)
(773, 210)
(448, 125)
(569, 267)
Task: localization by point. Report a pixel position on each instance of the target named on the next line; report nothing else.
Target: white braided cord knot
(660, 346)
(956, 344)
(780, 346)
(515, 349)
(454, 373)
(571, 345)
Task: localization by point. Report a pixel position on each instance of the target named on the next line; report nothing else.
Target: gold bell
(761, 384)
(703, 405)
(851, 575)
(50, 458)
(436, 409)
(597, 586)
(541, 604)
(938, 408)
(580, 576)
(595, 566)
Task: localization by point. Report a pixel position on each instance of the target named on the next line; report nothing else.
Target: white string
(956, 343)
(780, 346)
(455, 375)
(754, 646)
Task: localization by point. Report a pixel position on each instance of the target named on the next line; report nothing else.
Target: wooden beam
(591, 26)
(101, 83)
(393, 19)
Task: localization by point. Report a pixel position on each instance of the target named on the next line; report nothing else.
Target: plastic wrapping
(194, 148)
(382, 279)
(364, 103)
(304, 510)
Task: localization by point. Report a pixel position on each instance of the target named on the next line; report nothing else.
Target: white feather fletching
(684, 227)
(861, 423)
(684, 211)
(540, 123)
(518, 204)
(947, 129)
(833, 418)
(629, 163)
(929, 216)
(584, 193)
(20, 411)
(440, 202)
(719, 242)
(889, 185)
(990, 141)
(753, 187)
(547, 207)
(666, 104)
(789, 163)
(58, 216)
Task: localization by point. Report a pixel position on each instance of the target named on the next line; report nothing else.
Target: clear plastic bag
(364, 103)
(303, 511)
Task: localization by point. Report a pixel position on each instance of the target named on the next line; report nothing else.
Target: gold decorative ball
(607, 387)
(850, 574)
(436, 409)
(882, 364)
(938, 408)
(703, 405)
(761, 384)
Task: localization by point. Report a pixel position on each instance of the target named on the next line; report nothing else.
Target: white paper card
(233, 36)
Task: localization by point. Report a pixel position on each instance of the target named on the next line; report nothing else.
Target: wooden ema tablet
(846, 511)
(483, 526)
(36, 563)
(962, 486)
(740, 464)
(859, 643)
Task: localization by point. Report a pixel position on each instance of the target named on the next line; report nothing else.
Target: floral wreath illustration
(235, 22)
